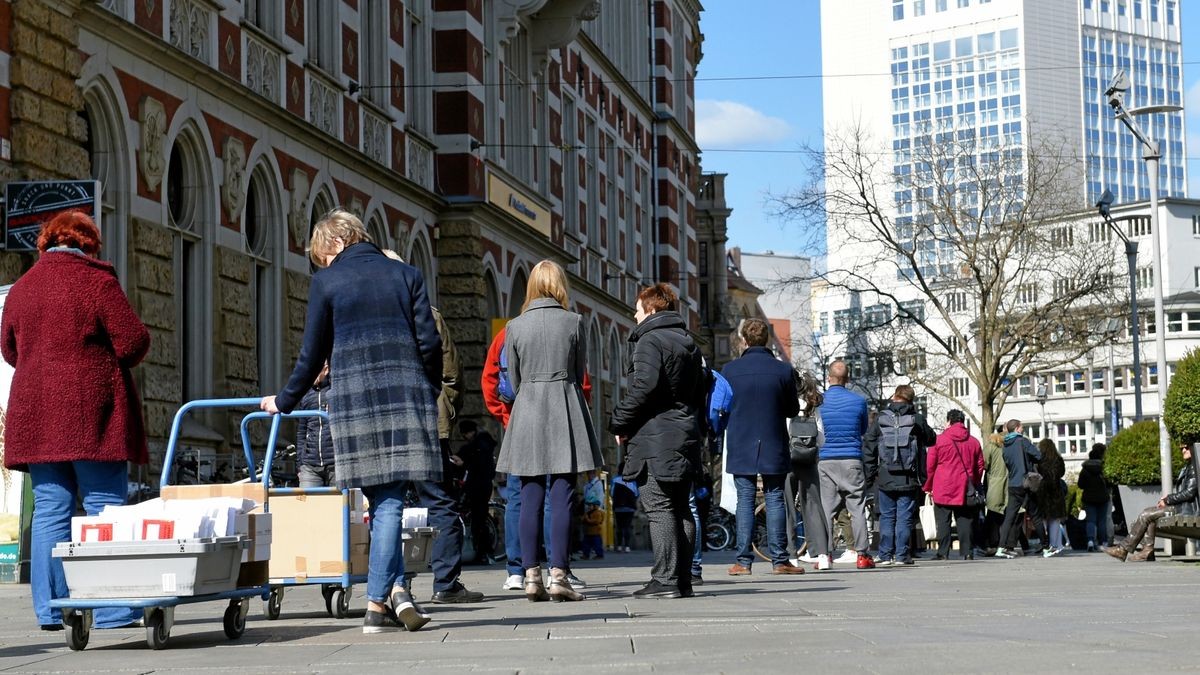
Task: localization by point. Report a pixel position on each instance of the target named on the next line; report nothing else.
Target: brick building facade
(473, 137)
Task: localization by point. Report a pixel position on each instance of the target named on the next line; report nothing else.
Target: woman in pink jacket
(954, 470)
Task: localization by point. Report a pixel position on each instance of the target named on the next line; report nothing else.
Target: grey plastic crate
(151, 569)
(418, 548)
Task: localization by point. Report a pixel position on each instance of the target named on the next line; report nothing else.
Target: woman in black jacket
(658, 421)
(1095, 497)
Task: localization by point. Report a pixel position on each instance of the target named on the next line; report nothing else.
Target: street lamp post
(1131, 250)
(1151, 154)
(1042, 395)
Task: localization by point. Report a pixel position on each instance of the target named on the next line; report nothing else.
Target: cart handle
(272, 439)
(173, 439)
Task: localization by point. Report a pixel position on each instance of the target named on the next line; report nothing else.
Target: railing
(191, 24)
(324, 105)
(375, 136)
(263, 68)
(419, 156)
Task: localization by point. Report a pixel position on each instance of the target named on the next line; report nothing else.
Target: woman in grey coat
(550, 431)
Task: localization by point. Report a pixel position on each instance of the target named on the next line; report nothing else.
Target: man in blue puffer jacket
(844, 417)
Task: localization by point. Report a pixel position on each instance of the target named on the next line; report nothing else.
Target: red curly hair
(70, 228)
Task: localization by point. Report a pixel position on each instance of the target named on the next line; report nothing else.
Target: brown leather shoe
(1144, 555)
(1117, 552)
(787, 568)
(737, 570)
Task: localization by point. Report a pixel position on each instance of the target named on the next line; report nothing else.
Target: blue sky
(782, 38)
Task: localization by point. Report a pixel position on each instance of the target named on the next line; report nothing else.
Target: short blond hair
(337, 224)
(547, 279)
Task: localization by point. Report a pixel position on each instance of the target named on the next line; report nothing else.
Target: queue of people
(381, 361)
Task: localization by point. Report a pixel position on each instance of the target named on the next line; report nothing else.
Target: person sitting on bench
(1183, 499)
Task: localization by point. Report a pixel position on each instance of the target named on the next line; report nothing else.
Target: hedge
(1132, 457)
(1183, 400)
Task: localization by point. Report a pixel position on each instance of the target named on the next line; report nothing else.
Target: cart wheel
(327, 591)
(274, 604)
(342, 608)
(235, 623)
(77, 632)
(156, 630)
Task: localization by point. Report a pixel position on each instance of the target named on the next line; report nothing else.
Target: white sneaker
(822, 562)
(847, 556)
(808, 558)
(627, 549)
(575, 581)
(514, 582)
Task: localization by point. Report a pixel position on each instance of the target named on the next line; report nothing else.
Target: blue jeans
(776, 518)
(1097, 522)
(698, 540)
(55, 488)
(385, 565)
(896, 512)
(512, 525)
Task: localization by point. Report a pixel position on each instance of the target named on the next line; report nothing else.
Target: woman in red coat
(74, 419)
(953, 464)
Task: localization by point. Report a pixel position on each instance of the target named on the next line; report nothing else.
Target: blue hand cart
(336, 588)
(159, 611)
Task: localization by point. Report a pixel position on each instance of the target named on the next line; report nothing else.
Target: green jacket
(450, 400)
(996, 474)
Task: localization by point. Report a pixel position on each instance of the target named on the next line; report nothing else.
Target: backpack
(802, 441)
(718, 401)
(897, 442)
(504, 388)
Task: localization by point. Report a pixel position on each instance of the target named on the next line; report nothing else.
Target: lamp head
(1104, 204)
(1117, 88)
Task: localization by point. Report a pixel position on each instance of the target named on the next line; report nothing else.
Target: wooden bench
(1187, 527)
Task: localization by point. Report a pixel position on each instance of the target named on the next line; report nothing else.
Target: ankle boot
(1147, 552)
(535, 591)
(1118, 552)
(560, 588)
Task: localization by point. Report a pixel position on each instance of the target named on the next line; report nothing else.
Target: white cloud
(733, 124)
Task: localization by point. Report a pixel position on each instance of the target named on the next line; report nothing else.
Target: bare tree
(970, 258)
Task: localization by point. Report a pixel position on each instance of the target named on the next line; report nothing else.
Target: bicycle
(718, 533)
(761, 543)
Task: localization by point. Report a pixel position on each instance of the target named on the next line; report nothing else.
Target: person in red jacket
(954, 466)
(501, 409)
(74, 419)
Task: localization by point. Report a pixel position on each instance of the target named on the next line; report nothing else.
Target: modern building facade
(475, 138)
(1004, 77)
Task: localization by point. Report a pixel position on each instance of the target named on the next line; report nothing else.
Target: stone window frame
(491, 292)
(595, 369)
(323, 35)
(192, 260)
(516, 290)
(376, 225)
(420, 255)
(266, 280)
(110, 145)
(374, 53)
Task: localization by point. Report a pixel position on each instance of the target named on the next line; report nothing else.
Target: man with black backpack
(894, 457)
(1021, 458)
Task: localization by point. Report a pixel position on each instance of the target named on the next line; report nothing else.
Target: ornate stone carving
(420, 162)
(550, 23)
(233, 190)
(190, 28)
(375, 135)
(152, 158)
(262, 69)
(298, 211)
(356, 207)
(323, 106)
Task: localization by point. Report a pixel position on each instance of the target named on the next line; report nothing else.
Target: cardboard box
(306, 537)
(252, 491)
(257, 526)
(259, 551)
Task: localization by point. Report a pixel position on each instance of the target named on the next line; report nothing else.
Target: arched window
(263, 223)
(190, 208)
(419, 258)
(322, 204)
(595, 346)
(378, 231)
(110, 160)
(491, 295)
(516, 297)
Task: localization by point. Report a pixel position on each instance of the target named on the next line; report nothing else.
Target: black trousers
(672, 529)
(964, 516)
(1010, 530)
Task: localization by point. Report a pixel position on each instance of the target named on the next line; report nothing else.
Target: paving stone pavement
(1075, 612)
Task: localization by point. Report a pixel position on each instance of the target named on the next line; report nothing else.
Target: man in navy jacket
(764, 397)
(844, 417)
